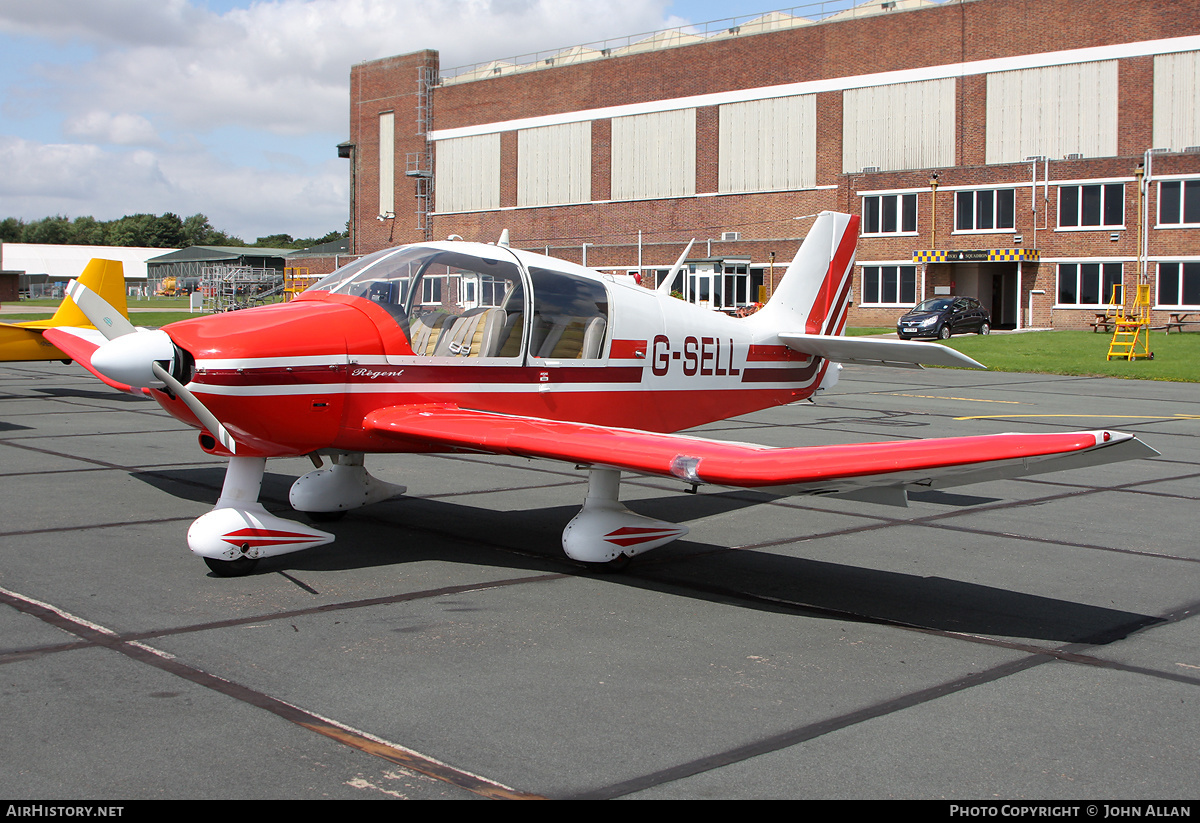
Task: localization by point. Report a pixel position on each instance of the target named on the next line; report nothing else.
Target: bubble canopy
(443, 294)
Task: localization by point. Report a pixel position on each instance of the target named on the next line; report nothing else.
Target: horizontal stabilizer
(80, 344)
(873, 351)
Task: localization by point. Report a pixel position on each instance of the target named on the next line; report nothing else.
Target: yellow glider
(24, 341)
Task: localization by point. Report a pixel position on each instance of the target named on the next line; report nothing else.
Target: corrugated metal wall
(1052, 111)
(468, 173)
(1176, 90)
(768, 145)
(901, 126)
(554, 165)
(387, 163)
(654, 155)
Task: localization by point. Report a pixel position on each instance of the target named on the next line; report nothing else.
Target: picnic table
(1181, 319)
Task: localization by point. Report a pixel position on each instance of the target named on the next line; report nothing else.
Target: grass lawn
(1176, 356)
(149, 319)
(166, 303)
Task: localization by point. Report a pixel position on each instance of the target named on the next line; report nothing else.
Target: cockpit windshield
(448, 303)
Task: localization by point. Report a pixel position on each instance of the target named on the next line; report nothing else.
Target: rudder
(814, 293)
(107, 279)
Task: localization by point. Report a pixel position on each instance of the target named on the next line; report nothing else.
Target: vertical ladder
(1131, 335)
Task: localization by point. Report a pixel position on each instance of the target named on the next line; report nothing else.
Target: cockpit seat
(475, 333)
(573, 338)
(426, 330)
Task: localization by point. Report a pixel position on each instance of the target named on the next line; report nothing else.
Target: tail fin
(107, 279)
(813, 296)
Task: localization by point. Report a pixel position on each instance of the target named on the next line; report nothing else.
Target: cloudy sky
(234, 108)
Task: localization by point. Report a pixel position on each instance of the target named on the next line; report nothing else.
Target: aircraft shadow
(86, 394)
(411, 529)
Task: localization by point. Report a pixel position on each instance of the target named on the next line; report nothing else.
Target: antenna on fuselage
(665, 285)
(503, 241)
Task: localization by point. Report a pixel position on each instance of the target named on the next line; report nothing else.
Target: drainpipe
(933, 184)
(1018, 300)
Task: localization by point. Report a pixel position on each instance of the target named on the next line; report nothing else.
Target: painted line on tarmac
(1094, 416)
(965, 399)
(346, 735)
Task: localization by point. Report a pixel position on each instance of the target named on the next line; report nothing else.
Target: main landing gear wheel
(618, 564)
(326, 517)
(231, 568)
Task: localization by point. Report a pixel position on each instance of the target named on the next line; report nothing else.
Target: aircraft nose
(127, 359)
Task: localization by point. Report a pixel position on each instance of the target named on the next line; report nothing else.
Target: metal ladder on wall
(1131, 332)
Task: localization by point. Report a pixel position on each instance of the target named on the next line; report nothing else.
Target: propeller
(136, 356)
(107, 320)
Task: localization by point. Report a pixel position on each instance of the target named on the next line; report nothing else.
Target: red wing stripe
(636, 535)
(710, 461)
(264, 537)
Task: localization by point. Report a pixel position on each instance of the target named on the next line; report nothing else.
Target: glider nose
(129, 359)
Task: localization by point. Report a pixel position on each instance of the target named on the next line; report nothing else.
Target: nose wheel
(231, 568)
(233, 536)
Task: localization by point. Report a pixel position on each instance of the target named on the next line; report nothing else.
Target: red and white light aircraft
(458, 346)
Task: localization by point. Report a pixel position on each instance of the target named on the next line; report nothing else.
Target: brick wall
(948, 33)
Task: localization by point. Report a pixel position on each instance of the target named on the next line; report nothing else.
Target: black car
(943, 316)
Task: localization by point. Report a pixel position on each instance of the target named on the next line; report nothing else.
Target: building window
(889, 285)
(1179, 284)
(1179, 202)
(1089, 284)
(1091, 206)
(890, 214)
(985, 210)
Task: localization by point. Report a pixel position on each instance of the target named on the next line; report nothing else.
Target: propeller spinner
(136, 356)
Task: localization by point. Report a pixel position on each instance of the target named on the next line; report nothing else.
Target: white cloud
(85, 179)
(118, 129)
(202, 91)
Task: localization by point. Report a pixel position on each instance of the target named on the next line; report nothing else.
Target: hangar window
(1179, 284)
(985, 210)
(1097, 206)
(1089, 284)
(889, 214)
(889, 285)
(1179, 202)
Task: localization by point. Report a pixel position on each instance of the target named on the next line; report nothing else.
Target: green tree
(88, 231)
(166, 232)
(275, 241)
(12, 229)
(49, 230)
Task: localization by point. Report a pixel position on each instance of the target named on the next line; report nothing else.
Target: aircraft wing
(874, 471)
(876, 352)
(80, 344)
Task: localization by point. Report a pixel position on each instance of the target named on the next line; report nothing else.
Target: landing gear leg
(238, 531)
(605, 534)
(327, 494)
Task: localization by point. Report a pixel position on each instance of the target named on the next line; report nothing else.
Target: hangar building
(1032, 153)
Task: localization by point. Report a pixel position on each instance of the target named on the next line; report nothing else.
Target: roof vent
(870, 169)
(1074, 156)
(729, 236)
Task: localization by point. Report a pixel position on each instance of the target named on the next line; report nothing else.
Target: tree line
(164, 231)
